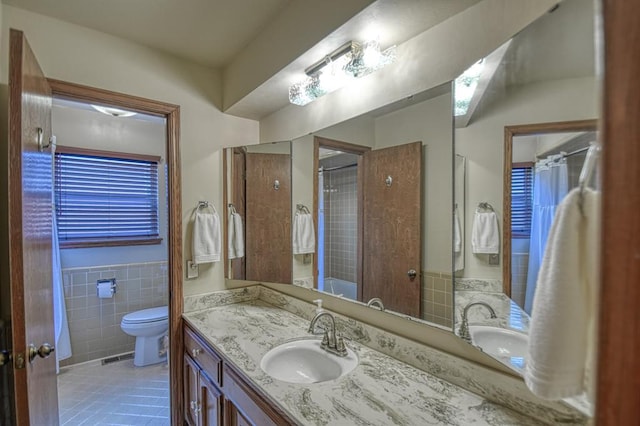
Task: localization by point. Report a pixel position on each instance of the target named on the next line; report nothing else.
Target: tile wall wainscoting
(94, 324)
(437, 303)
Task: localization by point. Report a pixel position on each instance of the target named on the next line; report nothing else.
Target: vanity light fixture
(350, 61)
(114, 112)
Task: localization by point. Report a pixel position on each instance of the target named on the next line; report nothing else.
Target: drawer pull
(195, 352)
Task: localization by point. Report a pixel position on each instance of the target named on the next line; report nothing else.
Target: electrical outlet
(494, 260)
(192, 270)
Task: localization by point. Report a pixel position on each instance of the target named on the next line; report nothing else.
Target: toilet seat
(145, 316)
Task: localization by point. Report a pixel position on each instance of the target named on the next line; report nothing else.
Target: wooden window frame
(110, 241)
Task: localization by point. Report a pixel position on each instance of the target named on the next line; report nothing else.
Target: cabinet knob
(195, 352)
(195, 406)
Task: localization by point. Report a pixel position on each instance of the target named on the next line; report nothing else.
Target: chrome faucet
(330, 341)
(463, 332)
(376, 301)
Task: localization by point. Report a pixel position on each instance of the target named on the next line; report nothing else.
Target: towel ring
(205, 205)
(302, 208)
(485, 206)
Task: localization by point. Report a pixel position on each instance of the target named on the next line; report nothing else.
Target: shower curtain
(550, 185)
(61, 326)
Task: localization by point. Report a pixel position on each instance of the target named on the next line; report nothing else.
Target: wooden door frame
(509, 133)
(319, 141)
(171, 113)
(619, 323)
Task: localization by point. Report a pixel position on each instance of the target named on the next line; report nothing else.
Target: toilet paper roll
(104, 290)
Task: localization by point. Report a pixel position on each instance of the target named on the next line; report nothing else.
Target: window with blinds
(105, 198)
(521, 199)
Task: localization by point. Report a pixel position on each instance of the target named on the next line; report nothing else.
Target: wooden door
(30, 222)
(210, 402)
(190, 389)
(268, 250)
(238, 168)
(392, 227)
(619, 327)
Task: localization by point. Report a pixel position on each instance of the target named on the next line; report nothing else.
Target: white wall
(432, 123)
(77, 54)
(483, 140)
(430, 59)
(93, 130)
(302, 193)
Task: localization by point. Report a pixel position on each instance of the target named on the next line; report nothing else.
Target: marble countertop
(380, 391)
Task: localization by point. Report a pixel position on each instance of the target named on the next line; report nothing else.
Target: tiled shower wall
(437, 300)
(341, 218)
(94, 324)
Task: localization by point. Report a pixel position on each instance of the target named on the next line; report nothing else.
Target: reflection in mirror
(545, 74)
(382, 205)
(338, 213)
(542, 164)
(258, 188)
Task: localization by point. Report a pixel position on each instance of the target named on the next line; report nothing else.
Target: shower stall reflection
(338, 223)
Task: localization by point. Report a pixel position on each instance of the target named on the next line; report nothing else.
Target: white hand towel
(457, 234)
(206, 237)
(304, 239)
(562, 336)
(485, 236)
(458, 253)
(236, 236)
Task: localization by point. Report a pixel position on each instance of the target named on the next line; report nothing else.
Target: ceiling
(207, 32)
(256, 44)
(559, 45)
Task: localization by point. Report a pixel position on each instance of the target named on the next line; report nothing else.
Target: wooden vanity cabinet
(202, 395)
(216, 394)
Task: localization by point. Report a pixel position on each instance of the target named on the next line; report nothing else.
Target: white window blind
(105, 197)
(521, 201)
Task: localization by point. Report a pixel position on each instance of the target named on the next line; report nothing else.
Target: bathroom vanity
(228, 333)
(216, 394)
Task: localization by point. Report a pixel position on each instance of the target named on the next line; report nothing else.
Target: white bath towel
(206, 237)
(236, 236)
(485, 236)
(304, 239)
(562, 335)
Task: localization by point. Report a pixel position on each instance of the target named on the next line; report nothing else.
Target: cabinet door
(234, 417)
(191, 389)
(210, 402)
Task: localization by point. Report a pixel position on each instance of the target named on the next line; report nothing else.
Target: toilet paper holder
(109, 283)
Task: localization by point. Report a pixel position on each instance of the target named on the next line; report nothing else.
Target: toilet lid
(147, 315)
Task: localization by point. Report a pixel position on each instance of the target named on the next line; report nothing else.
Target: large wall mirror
(377, 191)
(348, 181)
(526, 115)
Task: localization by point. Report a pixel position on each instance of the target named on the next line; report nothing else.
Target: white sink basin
(303, 361)
(499, 342)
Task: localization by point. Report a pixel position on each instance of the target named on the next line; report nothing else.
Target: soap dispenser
(319, 308)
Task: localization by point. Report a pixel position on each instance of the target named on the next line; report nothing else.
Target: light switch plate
(192, 270)
(494, 260)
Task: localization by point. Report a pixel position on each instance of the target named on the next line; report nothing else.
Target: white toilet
(149, 326)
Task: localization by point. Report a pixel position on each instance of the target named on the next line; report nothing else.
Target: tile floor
(114, 394)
